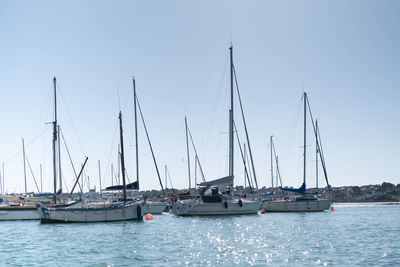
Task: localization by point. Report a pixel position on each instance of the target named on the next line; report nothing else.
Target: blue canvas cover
(301, 190)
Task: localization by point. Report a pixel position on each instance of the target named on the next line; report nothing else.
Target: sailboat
(153, 207)
(18, 210)
(303, 202)
(94, 212)
(30, 211)
(211, 200)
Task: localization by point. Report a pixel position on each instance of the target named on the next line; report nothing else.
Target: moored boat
(227, 206)
(29, 212)
(97, 212)
(212, 201)
(94, 213)
(297, 204)
(26, 212)
(306, 202)
(154, 207)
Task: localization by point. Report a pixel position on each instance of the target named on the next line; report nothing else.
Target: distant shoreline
(366, 203)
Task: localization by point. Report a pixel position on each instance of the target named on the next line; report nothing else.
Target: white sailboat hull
(296, 206)
(154, 207)
(199, 208)
(119, 212)
(28, 212)
(19, 213)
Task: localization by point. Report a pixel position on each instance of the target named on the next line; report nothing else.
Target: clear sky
(345, 54)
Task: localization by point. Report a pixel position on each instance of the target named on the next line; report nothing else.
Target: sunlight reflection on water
(347, 236)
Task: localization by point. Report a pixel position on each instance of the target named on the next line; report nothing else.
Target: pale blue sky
(345, 54)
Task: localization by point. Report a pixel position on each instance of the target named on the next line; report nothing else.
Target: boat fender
(226, 204)
(240, 203)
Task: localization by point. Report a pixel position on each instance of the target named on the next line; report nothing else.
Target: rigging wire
(151, 148)
(212, 121)
(195, 151)
(70, 159)
(245, 128)
(214, 106)
(66, 186)
(127, 176)
(70, 118)
(319, 145)
(290, 138)
(277, 166)
(169, 178)
(251, 177)
(243, 157)
(26, 146)
(44, 111)
(87, 178)
(111, 150)
(33, 176)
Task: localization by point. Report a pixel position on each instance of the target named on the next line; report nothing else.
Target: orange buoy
(148, 216)
(262, 211)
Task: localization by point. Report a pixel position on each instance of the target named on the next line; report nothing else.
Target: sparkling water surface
(350, 235)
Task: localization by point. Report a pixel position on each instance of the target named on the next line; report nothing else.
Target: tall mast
(99, 177)
(272, 165)
(165, 170)
(54, 141)
(244, 163)
(119, 164)
(187, 151)
(23, 150)
(59, 157)
(195, 171)
(231, 117)
(122, 155)
(4, 190)
(136, 135)
(316, 157)
(276, 174)
(41, 184)
(112, 175)
(305, 138)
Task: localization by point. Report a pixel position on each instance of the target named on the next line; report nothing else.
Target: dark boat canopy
(134, 185)
(301, 190)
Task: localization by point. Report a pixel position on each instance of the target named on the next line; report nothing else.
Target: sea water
(350, 235)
